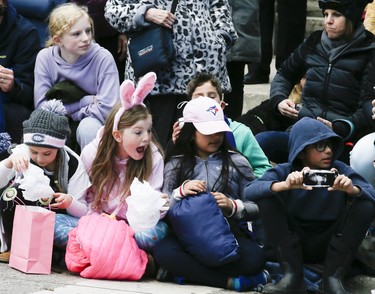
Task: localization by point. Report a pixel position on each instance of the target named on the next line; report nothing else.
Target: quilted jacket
(103, 248)
(334, 81)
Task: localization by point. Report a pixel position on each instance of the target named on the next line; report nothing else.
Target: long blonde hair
(103, 172)
(63, 17)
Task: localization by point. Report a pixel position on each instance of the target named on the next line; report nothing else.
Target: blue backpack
(203, 231)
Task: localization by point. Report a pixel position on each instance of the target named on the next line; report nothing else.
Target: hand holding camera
(319, 178)
(308, 179)
(331, 179)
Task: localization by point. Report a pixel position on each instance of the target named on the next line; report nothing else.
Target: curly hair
(63, 17)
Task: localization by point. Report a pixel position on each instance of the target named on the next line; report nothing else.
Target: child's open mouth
(140, 150)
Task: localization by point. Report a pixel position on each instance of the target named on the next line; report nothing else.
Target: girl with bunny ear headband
(124, 149)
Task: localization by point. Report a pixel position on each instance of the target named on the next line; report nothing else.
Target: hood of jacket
(308, 131)
(81, 62)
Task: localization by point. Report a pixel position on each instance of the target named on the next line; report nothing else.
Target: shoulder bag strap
(174, 5)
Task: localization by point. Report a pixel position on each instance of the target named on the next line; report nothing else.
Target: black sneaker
(254, 78)
(58, 261)
(162, 274)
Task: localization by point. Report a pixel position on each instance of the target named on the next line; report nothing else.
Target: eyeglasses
(322, 145)
(331, 4)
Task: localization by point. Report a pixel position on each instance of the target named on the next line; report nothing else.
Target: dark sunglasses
(322, 145)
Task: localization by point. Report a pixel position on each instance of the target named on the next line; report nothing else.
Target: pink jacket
(103, 248)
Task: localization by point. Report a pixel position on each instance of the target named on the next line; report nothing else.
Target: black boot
(337, 261)
(290, 259)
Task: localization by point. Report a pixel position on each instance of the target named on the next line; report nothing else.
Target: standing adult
(245, 15)
(19, 45)
(202, 32)
(291, 25)
(334, 62)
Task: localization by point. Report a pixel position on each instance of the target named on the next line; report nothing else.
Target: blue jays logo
(213, 110)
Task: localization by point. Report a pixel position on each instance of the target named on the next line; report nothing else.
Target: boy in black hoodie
(306, 224)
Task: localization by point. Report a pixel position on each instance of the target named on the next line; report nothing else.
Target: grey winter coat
(209, 171)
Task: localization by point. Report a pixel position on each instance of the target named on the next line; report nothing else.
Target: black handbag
(366, 255)
(151, 49)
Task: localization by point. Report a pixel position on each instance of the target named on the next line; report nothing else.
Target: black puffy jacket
(333, 89)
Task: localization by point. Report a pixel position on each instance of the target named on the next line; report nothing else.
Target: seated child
(240, 137)
(44, 136)
(202, 160)
(312, 225)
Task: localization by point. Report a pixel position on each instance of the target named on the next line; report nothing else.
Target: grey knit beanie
(47, 126)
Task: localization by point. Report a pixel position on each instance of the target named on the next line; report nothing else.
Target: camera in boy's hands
(319, 178)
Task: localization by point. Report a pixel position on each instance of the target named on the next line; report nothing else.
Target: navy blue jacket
(19, 45)
(319, 203)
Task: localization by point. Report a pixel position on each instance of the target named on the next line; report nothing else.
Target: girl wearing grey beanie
(44, 137)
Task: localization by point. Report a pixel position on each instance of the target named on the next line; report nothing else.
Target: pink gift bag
(32, 239)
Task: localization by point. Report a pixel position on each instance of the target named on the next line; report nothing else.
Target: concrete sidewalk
(255, 94)
(15, 282)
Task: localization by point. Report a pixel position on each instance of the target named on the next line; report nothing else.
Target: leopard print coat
(202, 33)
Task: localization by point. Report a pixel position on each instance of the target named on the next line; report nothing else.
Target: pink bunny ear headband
(131, 96)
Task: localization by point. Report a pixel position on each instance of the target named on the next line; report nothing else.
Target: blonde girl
(75, 67)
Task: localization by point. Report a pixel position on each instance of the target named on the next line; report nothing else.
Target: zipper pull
(329, 68)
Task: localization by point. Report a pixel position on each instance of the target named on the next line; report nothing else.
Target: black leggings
(235, 97)
(170, 255)
(164, 113)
